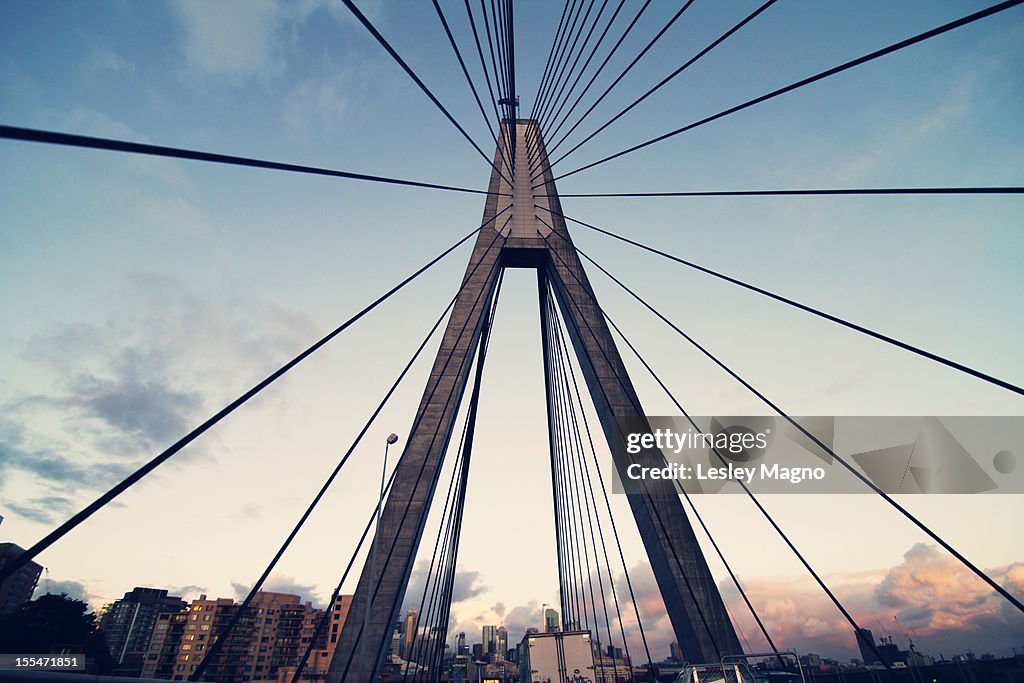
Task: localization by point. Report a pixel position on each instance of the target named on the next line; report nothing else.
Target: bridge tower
(524, 228)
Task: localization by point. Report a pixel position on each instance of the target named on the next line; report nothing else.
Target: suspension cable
(82, 515)
(600, 69)
(689, 500)
(804, 307)
(408, 70)
(574, 13)
(483, 65)
(970, 18)
(423, 464)
(72, 140)
(256, 587)
(549, 398)
(997, 189)
(562, 80)
(583, 484)
(870, 484)
(654, 508)
(615, 532)
(551, 52)
(693, 60)
(572, 487)
(586, 64)
(686, 495)
(629, 67)
(778, 529)
(325, 617)
(469, 79)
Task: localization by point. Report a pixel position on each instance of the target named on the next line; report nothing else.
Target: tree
(52, 623)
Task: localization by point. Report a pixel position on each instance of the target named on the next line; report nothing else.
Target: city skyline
(140, 295)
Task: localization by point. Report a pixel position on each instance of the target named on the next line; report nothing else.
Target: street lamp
(391, 440)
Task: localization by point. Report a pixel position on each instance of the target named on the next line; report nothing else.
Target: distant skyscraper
(460, 645)
(412, 622)
(676, 652)
(490, 638)
(127, 624)
(16, 590)
(501, 641)
(550, 620)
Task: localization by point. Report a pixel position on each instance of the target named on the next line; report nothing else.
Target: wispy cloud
(241, 40)
(119, 390)
(102, 61)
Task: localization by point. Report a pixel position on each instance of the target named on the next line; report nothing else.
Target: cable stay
(757, 503)
(576, 7)
(408, 70)
(13, 565)
(611, 519)
(688, 499)
(826, 449)
(600, 69)
(321, 627)
(582, 487)
(895, 47)
(86, 141)
(774, 525)
(434, 437)
(483, 67)
(214, 651)
(661, 524)
(693, 60)
(995, 189)
(429, 657)
(567, 70)
(586, 64)
(469, 79)
(547, 64)
(650, 44)
(804, 307)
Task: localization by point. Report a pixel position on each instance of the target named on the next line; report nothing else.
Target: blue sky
(138, 295)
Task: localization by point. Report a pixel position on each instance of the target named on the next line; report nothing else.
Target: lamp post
(391, 440)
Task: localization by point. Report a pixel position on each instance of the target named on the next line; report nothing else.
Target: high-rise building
(412, 622)
(490, 638)
(270, 637)
(127, 624)
(179, 641)
(164, 644)
(501, 641)
(326, 641)
(550, 621)
(676, 652)
(17, 589)
(460, 645)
